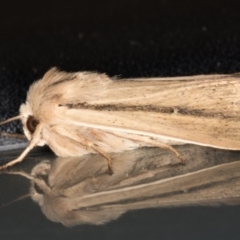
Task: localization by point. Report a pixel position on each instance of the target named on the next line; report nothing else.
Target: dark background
(129, 38)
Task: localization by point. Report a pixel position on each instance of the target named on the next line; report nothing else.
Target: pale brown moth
(85, 112)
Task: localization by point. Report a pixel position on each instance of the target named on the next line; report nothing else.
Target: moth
(78, 190)
(85, 112)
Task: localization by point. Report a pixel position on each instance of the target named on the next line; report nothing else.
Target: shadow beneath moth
(78, 190)
(84, 112)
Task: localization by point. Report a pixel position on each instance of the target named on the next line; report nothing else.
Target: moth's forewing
(202, 110)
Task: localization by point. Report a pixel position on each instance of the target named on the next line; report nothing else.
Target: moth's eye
(38, 189)
(32, 123)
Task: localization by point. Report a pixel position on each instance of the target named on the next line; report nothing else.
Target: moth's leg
(21, 173)
(95, 133)
(105, 155)
(98, 137)
(90, 144)
(35, 138)
(148, 141)
(40, 182)
(13, 135)
(155, 143)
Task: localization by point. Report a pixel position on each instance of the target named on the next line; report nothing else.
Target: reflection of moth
(84, 112)
(77, 190)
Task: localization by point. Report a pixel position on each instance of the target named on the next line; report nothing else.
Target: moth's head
(39, 185)
(29, 122)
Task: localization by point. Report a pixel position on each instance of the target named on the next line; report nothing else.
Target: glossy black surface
(24, 218)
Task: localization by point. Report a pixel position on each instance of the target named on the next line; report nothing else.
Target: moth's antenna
(12, 135)
(15, 200)
(11, 119)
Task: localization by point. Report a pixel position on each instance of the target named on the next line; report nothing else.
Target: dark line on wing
(118, 107)
(150, 108)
